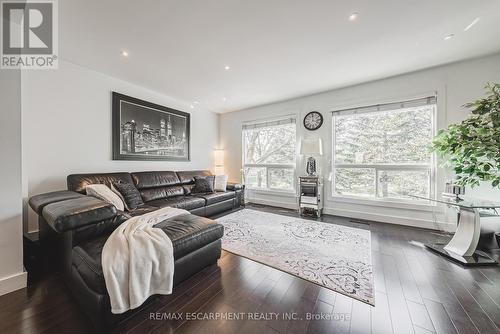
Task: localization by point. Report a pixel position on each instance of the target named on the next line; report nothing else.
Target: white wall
(67, 128)
(12, 275)
(455, 84)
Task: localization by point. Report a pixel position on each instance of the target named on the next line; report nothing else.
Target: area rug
(336, 257)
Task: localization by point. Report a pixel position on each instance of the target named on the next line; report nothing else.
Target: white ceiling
(277, 49)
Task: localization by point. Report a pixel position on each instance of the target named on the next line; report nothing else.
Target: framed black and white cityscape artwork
(148, 131)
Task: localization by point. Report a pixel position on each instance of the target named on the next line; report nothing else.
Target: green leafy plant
(472, 147)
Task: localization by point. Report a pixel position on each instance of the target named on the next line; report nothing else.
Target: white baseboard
(278, 204)
(13, 283)
(406, 221)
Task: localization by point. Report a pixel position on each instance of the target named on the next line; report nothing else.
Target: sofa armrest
(78, 212)
(234, 186)
(38, 202)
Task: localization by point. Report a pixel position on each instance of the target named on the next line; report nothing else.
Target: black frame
(116, 128)
(311, 112)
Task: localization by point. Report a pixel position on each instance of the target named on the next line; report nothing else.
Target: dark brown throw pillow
(130, 195)
(203, 184)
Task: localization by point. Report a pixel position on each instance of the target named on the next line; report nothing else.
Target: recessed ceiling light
(473, 23)
(353, 16)
(125, 53)
(224, 99)
(450, 36)
(227, 67)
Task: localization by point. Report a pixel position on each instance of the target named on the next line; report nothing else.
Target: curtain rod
(385, 104)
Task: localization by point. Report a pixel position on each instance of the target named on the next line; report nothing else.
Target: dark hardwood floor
(416, 292)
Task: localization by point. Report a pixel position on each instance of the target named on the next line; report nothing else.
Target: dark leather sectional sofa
(74, 228)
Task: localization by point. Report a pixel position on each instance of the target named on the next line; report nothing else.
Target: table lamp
(311, 147)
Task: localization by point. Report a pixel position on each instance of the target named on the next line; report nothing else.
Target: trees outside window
(382, 152)
(269, 154)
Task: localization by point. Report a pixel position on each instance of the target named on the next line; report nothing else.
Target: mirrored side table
(310, 199)
(462, 248)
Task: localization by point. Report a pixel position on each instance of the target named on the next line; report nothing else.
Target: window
(269, 154)
(382, 151)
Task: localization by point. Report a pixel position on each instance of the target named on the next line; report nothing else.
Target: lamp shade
(219, 157)
(219, 170)
(219, 162)
(311, 146)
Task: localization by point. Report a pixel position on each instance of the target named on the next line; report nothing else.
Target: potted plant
(472, 147)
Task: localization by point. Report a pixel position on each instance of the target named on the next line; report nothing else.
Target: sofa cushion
(188, 176)
(216, 197)
(77, 212)
(152, 194)
(203, 184)
(129, 194)
(190, 232)
(145, 180)
(220, 183)
(181, 202)
(157, 185)
(187, 188)
(38, 202)
(103, 192)
(140, 210)
(187, 232)
(78, 182)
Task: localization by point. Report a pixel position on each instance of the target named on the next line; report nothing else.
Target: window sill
(388, 203)
(284, 193)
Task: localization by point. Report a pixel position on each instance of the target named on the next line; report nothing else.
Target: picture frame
(142, 130)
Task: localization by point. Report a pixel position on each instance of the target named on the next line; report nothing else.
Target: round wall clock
(313, 120)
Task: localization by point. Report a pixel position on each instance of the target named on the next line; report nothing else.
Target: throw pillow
(102, 192)
(220, 183)
(131, 196)
(203, 184)
(119, 194)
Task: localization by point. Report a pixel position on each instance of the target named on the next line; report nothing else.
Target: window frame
(269, 166)
(431, 167)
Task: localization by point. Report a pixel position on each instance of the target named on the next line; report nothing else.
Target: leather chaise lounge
(74, 228)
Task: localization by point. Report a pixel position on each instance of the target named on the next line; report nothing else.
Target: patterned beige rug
(336, 257)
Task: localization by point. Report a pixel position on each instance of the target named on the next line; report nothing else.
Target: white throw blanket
(138, 260)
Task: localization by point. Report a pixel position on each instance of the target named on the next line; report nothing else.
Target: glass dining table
(462, 247)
